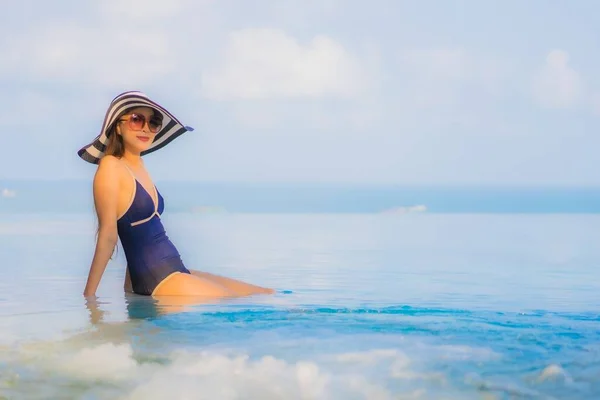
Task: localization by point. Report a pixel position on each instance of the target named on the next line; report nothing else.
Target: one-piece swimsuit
(150, 254)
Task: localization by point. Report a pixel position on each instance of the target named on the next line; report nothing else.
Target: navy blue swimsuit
(150, 254)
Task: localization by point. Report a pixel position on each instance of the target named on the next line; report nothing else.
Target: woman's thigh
(237, 287)
(180, 284)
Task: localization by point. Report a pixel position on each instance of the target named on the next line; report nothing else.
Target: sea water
(463, 305)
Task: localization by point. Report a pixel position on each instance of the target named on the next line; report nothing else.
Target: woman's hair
(115, 145)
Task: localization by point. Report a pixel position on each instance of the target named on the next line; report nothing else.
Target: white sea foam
(114, 370)
(553, 372)
(106, 362)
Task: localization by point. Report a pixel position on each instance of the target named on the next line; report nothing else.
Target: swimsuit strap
(135, 182)
(133, 192)
(129, 169)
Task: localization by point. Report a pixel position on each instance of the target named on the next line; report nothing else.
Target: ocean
(382, 293)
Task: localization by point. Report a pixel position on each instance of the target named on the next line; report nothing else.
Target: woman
(129, 206)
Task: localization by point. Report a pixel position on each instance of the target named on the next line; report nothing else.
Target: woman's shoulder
(108, 161)
(109, 167)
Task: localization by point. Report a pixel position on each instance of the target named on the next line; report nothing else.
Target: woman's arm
(106, 190)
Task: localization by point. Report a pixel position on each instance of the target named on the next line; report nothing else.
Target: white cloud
(267, 63)
(298, 12)
(124, 44)
(556, 84)
(313, 118)
(434, 75)
(440, 76)
(446, 63)
(140, 10)
(78, 54)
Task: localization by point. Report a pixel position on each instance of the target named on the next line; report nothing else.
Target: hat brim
(172, 128)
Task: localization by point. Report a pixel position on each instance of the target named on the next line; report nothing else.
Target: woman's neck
(135, 160)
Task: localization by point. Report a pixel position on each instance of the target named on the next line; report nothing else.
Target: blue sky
(401, 92)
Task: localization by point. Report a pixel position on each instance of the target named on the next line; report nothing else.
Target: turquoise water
(369, 306)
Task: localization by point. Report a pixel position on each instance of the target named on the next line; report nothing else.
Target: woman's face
(138, 127)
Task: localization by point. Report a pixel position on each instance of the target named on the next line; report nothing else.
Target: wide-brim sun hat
(171, 129)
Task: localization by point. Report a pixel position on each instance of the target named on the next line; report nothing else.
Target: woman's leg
(183, 284)
(238, 288)
(127, 284)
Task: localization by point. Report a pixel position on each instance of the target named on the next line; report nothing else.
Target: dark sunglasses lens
(136, 121)
(154, 125)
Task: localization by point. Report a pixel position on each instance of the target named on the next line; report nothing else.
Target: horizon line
(523, 185)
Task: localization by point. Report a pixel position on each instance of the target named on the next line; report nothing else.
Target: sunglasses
(137, 122)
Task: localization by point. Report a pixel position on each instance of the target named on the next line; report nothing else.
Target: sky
(311, 91)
